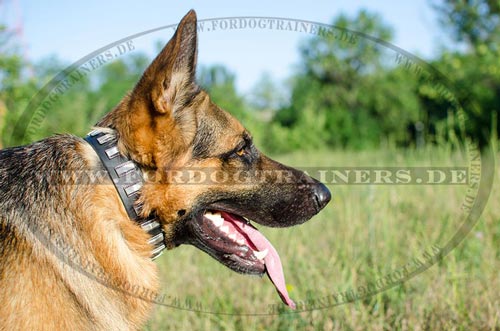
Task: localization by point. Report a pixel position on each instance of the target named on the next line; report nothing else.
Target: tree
(15, 86)
(220, 83)
(345, 94)
(267, 96)
(474, 72)
(474, 22)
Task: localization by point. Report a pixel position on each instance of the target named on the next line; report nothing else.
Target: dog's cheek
(169, 201)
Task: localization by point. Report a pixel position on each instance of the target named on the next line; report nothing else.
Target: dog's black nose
(322, 195)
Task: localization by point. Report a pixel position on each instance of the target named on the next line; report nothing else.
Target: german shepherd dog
(52, 229)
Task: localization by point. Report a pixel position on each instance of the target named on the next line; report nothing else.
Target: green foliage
(348, 92)
(267, 96)
(476, 71)
(72, 111)
(345, 95)
(15, 89)
(220, 83)
(474, 22)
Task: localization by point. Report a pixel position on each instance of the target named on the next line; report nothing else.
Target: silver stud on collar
(127, 178)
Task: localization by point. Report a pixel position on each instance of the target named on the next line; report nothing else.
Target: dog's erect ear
(170, 79)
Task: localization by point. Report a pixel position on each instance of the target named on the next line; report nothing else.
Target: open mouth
(233, 241)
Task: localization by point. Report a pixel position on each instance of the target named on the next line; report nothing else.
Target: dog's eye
(241, 151)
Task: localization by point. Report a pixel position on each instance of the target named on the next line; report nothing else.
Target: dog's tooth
(232, 236)
(262, 254)
(218, 221)
(215, 218)
(210, 215)
(240, 242)
(224, 228)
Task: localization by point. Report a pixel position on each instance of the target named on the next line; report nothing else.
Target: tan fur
(71, 258)
(52, 294)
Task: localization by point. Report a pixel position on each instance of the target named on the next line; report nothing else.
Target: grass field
(366, 232)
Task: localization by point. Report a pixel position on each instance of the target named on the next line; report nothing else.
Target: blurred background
(392, 84)
(298, 90)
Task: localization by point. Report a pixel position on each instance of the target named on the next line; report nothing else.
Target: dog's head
(205, 178)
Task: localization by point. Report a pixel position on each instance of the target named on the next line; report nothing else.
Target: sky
(73, 29)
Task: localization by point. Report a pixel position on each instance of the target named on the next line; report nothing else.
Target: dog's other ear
(170, 79)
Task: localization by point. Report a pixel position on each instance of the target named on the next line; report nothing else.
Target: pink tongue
(272, 261)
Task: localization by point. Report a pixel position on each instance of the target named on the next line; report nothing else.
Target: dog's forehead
(228, 122)
(228, 125)
(217, 132)
(220, 119)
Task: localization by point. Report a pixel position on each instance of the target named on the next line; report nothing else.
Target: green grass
(366, 232)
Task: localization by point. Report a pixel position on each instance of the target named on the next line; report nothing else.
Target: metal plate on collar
(128, 180)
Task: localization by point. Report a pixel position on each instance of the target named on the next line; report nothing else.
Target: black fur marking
(203, 141)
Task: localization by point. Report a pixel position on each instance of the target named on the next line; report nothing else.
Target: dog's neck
(128, 180)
